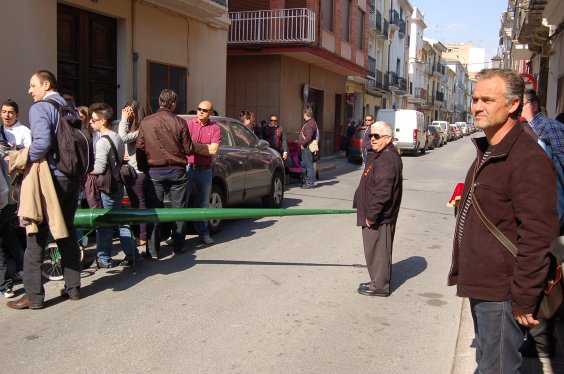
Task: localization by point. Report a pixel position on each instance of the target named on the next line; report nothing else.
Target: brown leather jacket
(164, 141)
(516, 189)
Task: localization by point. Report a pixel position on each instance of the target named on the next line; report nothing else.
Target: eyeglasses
(377, 136)
(369, 120)
(273, 120)
(92, 119)
(204, 110)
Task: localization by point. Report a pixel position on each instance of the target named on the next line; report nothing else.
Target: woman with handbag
(131, 116)
(109, 153)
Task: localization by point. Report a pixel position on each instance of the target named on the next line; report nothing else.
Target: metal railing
(402, 26)
(402, 84)
(385, 29)
(440, 96)
(272, 26)
(376, 21)
(371, 66)
(394, 17)
(380, 80)
(393, 80)
(420, 93)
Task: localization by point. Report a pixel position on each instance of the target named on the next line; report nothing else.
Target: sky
(462, 21)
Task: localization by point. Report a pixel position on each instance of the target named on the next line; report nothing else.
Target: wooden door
(86, 55)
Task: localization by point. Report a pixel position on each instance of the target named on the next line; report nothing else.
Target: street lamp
(496, 61)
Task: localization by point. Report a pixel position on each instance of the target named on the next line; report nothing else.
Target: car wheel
(217, 200)
(276, 195)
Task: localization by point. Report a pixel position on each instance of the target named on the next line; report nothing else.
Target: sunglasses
(273, 120)
(377, 136)
(204, 110)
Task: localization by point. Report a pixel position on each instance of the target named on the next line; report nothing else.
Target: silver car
(244, 168)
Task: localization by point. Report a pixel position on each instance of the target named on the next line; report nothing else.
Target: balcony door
(86, 55)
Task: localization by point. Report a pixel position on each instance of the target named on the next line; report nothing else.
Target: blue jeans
(173, 183)
(498, 337)
(104, 236)
(199, 181)
(307, 164)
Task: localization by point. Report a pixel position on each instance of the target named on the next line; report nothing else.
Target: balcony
(419, 96)
(402, 88)
(440, 96)
(272, 26)
(376, 21)
(385, 29)
(371, 67)
(394, 19)
(402, 26)
(393, 81)
(377, 84)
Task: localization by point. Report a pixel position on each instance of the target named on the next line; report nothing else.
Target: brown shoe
(73, 295)
(23, 303)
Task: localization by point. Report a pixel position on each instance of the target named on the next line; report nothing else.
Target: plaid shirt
(552, 133)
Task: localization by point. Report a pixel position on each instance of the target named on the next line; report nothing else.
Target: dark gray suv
(244, 168)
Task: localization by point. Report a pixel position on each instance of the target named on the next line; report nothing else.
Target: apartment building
(418, 79)
(532, 42)
(284, 56)
(113, 51)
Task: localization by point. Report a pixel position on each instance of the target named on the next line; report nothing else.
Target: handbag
(127, 172)
(313, 146)
(551, 297)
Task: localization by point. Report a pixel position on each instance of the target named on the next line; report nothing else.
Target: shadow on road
(407, 269)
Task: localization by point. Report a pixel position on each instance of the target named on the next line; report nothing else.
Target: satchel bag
(313, 146)
(127, 172)
(551, 297)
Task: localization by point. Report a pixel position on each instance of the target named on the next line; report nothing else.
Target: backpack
(74, 153)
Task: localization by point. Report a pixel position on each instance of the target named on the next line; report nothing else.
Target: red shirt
(204, 134)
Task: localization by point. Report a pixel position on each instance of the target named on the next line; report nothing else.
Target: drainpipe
(134, 55)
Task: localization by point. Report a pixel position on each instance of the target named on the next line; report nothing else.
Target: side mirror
(263, 144)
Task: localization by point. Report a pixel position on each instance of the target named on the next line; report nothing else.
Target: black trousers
(378, 244)
(67, 191)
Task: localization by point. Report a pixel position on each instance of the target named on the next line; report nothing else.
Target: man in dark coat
(377, 200)
(514, 183)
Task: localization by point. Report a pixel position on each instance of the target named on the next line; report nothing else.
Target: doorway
(86, 55)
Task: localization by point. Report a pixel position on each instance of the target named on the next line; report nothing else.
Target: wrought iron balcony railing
(385, 29)
(394, 17)
(272, 26)
(402, 26)
(371, 66)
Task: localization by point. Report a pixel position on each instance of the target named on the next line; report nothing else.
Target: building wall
(266, 84)
(156, 34)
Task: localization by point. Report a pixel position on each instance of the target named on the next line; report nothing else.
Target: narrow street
(273, 295)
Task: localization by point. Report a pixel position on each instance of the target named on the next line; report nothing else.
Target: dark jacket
(164, 141)
(308, 133)
(378, 195)
(515, 188)
(276, 137)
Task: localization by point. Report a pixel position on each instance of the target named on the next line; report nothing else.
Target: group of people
(510, 203)
(274, 134)
(168, 154)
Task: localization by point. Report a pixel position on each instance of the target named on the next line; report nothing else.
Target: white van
(444, 126)
(463, 127)
(409, 128)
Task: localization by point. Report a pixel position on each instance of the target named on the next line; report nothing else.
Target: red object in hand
(456, 195)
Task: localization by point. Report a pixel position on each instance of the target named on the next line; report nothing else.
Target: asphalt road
(273, 295)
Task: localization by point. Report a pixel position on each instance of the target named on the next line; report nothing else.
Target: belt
(194, 166)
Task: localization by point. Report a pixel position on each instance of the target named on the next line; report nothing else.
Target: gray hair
(514, 86)
(167, 98)
(385, 127)
(308, 112)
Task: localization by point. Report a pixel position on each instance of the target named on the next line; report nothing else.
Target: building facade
(112, 52)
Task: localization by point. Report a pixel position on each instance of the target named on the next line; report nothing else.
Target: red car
(355, 145)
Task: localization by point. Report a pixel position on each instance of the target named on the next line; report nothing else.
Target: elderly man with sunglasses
(377, 200)
(206, 136)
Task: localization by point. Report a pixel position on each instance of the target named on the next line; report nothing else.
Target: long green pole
(96, 218)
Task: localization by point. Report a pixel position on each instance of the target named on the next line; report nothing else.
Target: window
(243, 136)
(346, 14)
(327, 21)
(161, 76)
(360, 30)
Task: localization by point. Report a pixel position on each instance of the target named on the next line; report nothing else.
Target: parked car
(444, 129)
(409, 129)
(463, 128)
(355, 145)
(452, 132)
(435, 139)
(244, 168)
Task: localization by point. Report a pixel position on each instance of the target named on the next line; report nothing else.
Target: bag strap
(494, 230)
(116, 155)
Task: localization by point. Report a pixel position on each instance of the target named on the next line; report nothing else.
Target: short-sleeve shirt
(206, 134)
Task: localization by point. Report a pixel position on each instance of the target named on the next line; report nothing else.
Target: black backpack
(74, 153)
